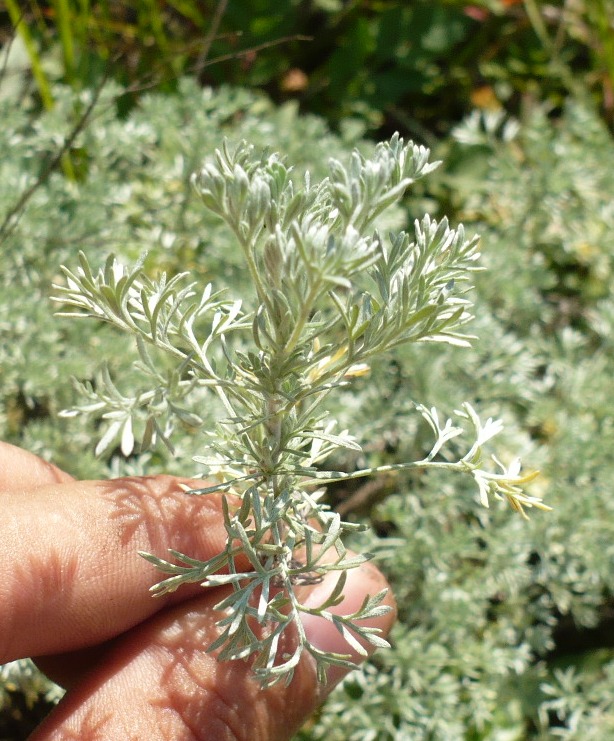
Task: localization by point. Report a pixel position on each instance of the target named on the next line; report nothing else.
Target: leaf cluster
(328, 296)
(490, 607)
(505, 631)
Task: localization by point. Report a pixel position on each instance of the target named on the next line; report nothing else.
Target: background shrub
(505, 628)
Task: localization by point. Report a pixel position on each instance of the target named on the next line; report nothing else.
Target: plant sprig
(329, 295)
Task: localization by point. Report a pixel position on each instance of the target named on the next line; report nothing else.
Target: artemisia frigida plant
(329, 294)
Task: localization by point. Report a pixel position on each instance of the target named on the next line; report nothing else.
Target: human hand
(75, 594)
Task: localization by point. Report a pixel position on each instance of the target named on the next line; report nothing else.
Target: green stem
(44, 88)
(330, 477)
(65, 24)
(535, 18)
(18, 20)
(252, 267)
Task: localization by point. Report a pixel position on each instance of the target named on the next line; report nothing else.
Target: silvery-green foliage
(581, 702)
(23, 676)
(132, 193)
(505, 631)
(327, 295)
(483, 595)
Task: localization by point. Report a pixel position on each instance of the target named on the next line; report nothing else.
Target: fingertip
(20, 469)
(322, 633)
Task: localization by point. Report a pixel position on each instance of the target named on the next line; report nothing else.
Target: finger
(69, 668)
(159, 684)
(76, 579)
(22, 470)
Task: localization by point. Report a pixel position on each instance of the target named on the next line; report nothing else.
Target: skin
(75, 594)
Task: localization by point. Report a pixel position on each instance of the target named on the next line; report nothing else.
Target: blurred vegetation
(505, 630)
(417, 66)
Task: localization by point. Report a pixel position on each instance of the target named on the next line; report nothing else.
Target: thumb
(323, 634)
(159, 684)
